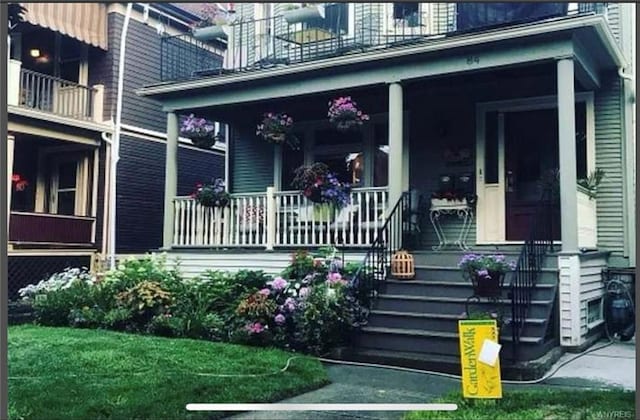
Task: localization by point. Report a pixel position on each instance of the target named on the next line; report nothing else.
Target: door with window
(69, 184)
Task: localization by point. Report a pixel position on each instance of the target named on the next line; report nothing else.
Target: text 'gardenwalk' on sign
(479, 359)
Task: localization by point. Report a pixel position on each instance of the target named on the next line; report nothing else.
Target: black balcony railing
(254, 44)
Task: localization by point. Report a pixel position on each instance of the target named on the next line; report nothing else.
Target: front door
(531, 152)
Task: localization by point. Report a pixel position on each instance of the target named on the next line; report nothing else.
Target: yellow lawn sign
(479, 350)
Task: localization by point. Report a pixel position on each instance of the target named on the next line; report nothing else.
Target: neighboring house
(497, 95)
(62, 98)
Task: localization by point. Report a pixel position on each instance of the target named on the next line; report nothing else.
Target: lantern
(402, 265)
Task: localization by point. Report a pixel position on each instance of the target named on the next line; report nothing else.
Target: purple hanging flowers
(345, 115)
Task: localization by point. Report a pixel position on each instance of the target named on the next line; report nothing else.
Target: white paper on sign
(489, 352)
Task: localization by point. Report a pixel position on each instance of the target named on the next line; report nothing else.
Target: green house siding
(251, 161)
(609, 157)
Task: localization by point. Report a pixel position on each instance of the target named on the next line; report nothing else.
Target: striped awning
(86, 22)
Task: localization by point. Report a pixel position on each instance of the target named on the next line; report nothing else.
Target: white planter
(304, 14)
(211, 32)
(444, 203)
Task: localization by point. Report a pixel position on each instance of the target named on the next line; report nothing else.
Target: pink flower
(280, 319)
(255, 328)
(265, 292)
(279, 283)
(290, 304)
(304, 292)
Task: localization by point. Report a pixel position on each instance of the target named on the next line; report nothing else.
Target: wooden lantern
(402, 265)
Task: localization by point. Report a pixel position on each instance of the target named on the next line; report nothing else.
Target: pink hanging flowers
(345, 115)
(276, 128)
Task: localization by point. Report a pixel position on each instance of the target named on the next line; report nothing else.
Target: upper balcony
(45, 93)
(336, 29)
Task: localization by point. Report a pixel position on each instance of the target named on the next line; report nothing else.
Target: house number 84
(473, 59)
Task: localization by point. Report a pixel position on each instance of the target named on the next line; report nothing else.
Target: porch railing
(529, 265)
(58, 96)
(41, 228)
(279, 219)
(254, 44)
(389, 238)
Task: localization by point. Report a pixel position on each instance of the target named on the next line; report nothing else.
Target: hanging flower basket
(345, 115)
(324, 212)
(321, 186)
(200, 131)
(276, 129)
(211, 195)
(303, 14)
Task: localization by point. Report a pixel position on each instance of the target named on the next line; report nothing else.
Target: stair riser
(452, 259)
(440, 325)
(450, 308)
(443, 274)
(458, 291)
(438, 345)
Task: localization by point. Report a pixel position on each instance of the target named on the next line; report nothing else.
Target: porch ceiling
(526, 45)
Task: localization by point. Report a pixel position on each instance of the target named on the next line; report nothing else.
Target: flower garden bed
(309, 308)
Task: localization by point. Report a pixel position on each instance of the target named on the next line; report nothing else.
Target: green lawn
(553, 404)
(68, 373)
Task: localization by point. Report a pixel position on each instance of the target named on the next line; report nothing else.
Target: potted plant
(214, 23)
(303, 12)
(200, 131)
(322, 187)
(211, 195)
(345, 115)
(590, 184)
(276, 129)
(486, 273)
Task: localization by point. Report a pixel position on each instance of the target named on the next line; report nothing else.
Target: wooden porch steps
(414, 323)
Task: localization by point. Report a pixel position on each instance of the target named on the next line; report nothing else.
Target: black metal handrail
(529, 264)
(389, 239)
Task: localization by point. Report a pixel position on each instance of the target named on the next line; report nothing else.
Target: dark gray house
(62, 98)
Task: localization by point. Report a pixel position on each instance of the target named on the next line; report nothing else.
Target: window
(594, 311)
(343, 152)
(291, 160)
(408, 11)
(69, 184)
(581, 140)
(491, 148)
(381, 158)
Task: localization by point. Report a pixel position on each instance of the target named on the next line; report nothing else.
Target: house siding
(609, 157)
(140, 192)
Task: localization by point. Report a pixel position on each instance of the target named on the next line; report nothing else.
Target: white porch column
(10, 145)
(171, 178)
(567, 156)
(396, 148)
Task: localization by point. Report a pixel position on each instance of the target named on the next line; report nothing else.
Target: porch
(53, 190)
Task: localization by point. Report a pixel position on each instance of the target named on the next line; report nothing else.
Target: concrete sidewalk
(612, 366)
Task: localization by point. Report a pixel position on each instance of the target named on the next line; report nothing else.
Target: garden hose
(458, 377)
(333, 361)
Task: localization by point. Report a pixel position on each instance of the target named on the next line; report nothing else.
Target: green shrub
(54, 307)
(132, 272)
(145, 300)
(119, 319)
